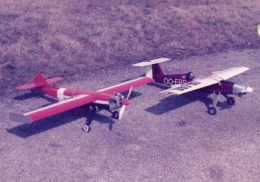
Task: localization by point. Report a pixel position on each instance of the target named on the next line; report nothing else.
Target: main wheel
(212, 111)
(231, 101)
(86, 128)
(115, 114)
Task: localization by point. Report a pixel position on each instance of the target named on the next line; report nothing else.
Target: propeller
(121, 112)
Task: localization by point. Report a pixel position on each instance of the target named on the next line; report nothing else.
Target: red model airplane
(108, 98)
(213, 83)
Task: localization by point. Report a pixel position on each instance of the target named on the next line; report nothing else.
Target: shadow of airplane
(28, 130)
(158, 85)
(174, 102)
(32, 95)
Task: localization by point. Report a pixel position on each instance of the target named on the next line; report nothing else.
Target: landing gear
(115, 114)
(230, 100)
(212, 111)
(86, 128)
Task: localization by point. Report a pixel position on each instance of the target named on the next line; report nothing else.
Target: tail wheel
(212, 111)
(190, 76)
(115, 114)
(231, 101)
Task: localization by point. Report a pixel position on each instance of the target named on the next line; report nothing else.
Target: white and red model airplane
(215, 82)
(108, 98)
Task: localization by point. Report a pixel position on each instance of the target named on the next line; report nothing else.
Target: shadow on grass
(174, 102)
(133, 94)
(32, 95)
(25, 96)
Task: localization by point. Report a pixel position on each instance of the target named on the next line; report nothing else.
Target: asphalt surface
(160, 138)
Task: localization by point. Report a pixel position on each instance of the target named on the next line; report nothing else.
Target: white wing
(208, 80)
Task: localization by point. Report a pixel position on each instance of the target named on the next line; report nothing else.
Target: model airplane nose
(249, 89)
(125, 102)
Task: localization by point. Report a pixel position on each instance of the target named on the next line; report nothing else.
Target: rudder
(39, 80)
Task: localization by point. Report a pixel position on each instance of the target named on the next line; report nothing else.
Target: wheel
(212, 111)
(115, 114)
(86, 128)
(190, 76)
(231, 101)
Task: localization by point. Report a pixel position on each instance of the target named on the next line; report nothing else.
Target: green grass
(66, 37)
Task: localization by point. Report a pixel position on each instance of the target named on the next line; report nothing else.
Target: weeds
(68, 37)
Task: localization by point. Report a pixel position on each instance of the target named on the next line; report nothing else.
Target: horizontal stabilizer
(19, 118)
(52, 80)
(154, 61)
(33, 85)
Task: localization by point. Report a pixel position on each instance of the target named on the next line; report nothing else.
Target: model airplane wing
(52, 109)
(127, 85)
(208, 80)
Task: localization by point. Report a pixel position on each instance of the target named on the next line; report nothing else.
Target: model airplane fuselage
(155, 71)
(215, 82)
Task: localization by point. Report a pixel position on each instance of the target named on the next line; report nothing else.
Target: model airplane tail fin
(153, 68)
(39, 81)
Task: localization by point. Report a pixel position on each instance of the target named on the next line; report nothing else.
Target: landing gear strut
(86, 127)
(93, 109)
(212, 110)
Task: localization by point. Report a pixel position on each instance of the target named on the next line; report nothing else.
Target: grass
(63, 38)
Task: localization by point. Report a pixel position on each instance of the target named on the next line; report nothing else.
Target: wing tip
(151, 62)
(20, 118)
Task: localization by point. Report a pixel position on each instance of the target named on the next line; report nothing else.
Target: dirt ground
(160, 138)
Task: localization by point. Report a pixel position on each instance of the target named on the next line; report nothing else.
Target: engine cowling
(115, 101)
